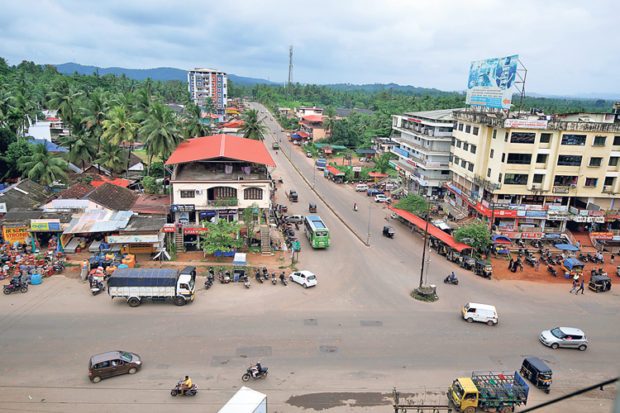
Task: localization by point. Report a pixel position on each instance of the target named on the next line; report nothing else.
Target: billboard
(490, 82)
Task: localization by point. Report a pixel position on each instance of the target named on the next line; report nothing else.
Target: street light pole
(369, 214)
(428, 213)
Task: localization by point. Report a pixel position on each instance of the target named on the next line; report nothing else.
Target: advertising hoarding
(525, 123)
(490, 82)
(13, 234)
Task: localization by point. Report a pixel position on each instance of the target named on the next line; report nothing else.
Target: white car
(381, 198)
(305, 278)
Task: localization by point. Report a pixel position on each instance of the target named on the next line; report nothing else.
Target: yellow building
(537, 171)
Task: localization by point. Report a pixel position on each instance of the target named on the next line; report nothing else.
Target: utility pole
(290, 68)
(369, 214)
(428, 214)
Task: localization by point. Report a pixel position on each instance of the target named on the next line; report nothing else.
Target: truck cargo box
(143, 277)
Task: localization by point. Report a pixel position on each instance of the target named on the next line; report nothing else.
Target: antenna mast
(290, 66)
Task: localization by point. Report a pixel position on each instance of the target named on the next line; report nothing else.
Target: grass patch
(423, 296)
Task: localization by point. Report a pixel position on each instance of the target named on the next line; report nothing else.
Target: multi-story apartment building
(206, 84)
(216, 177)
(422, 142)
(535, 176)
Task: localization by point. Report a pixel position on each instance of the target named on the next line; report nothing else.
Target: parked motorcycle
(59, 267)
(96, 287)
(274, 281)
(188, 392)
(209, 281)
(552, 270)
(265, 274)
(283, 279)
(261, 374)
(246, 281)
(520, 252)
(224, 277)
(583, 258)
(16, 284)
(530, 259)
(450, 280)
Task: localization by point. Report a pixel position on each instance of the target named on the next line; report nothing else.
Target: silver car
(564, 337)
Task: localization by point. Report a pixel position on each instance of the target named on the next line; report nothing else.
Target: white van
(480, 312)
(361, 188)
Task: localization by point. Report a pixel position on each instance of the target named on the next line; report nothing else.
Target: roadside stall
(240, 265)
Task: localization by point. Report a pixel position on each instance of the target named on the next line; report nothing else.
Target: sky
(568, 47)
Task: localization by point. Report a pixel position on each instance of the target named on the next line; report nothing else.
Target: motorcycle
(209, 281)
(552, 270)
(258, 276)
(96, 287)
(16, 284)
(262, 373)
(224, 278)
(283, 279)
(246, 281)
(583, 258)
(187, 392)
(520, 252)
(450, 280)
(265, 274)
(530, 259)
(274, 281)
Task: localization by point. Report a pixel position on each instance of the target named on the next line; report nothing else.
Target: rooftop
(438, 115)
(75, 191)
(152, 204)
(24, 194)
(216, 171)
(145, 223)
(113, 197)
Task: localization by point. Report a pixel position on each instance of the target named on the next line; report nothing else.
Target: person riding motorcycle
(186, 384)
(256, 369)
(355, 206)
(452, 277)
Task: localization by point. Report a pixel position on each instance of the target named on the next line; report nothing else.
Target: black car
(536, 371)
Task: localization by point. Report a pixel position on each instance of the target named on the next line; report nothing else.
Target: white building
(421, 140)
(206, 84)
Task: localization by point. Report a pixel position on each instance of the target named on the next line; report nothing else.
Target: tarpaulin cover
(501, 239)
(240, 259)
(571, 263)
(143, 277)
(566, 247)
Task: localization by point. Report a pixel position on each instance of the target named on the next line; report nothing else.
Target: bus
(321, 163)
(316, 231)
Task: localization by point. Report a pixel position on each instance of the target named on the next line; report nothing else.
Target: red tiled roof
(233, 124)
(50, 119)
(302, 134)
(75, 191)
(221, 146)
(313, 118)
(118, 182)
(333, 170)
(432, 230)
(152, 204)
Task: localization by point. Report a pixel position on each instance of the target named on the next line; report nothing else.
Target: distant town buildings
(206, 84)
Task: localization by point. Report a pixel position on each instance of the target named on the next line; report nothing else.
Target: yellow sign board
(15, 234)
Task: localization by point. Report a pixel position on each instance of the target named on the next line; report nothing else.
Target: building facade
(535, 176)
(217, 177)
(421, 140)
(206, 84)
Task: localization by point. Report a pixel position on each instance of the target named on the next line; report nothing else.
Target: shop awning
(501, 239)
(566, 247)
(133, 239)
(240, 259)
(295, 136)
(332, 170)
(432, 230)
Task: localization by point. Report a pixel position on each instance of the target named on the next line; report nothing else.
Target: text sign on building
(357, 169)
(15, 234)
(44, 225)
(490, 82)
(168, 228)
(401, 152)
(182, 208)
(602, 235)
(525, 124)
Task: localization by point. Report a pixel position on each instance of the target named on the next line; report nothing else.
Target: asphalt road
(339, 347)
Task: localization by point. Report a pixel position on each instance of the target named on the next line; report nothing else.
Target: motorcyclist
(452, 277)
(186, 384)
(355, 206)
(282, 276)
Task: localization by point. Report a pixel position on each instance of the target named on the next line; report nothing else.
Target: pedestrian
(612, 258)
(511, 264)
(580, 288)
(577, 244)
(574, 287)
(537, 265)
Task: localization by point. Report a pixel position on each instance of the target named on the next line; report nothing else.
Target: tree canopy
(475, 234)
(222, 236)
(413, 203)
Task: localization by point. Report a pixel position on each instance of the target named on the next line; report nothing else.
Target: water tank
(35, 279)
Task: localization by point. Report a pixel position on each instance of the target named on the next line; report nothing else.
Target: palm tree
(25, 107)
(119, 129)
(81, 151)
(43, 167)
(253, 128)
(192, 123)
(330, 121)
(95, 113)
(62, 98)
(159, 132)
(210, 106)
(111, 157)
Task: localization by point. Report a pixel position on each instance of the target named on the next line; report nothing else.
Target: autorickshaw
(454, 256)
(388, 231)
(468, 263)
(599, 283)
(536, 371)
(311, 207)
(483, 269)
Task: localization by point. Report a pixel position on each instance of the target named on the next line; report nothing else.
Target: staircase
(265, 244)
(584, 240)
(178, 238)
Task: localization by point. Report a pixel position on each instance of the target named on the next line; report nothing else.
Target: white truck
(246, 400)
(157, 284)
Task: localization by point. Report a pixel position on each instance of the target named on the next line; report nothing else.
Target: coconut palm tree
(120, 129)
(111, 157)
(159, 132)
(192, 123)
(252, 127)
(81, 151)
(95, 113)
(62, 98)
(43, 167)
(330, 121)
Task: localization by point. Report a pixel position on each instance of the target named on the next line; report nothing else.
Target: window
(472, 148)
(569, 160)
(515, 179)
(489, 173)
(444, 172)
(499, 179)
(538, 178)
(465, 146)
(545, 137)
(616, 140)
(595, 162)
(470, 167)
(468, 129)
(599, 141)
(453, 141)
(491, 154)
(463, 163)
(564, 180)
(506, 136)
(456, 160)
(188, 194)
(522, 137)
(591, 182)
(541, 158)
(253, 193)
(576, 140)
(613, 161)
(494, 133)
(609, 180)
(476, 130)
(461, 127)
(503, 157)
(520, 158)
(458, 143)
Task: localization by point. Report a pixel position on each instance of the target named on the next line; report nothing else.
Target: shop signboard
(490, 82)
(207, 214)
(357, 169)
(412, 163)
(227, 212)
(168, 228)
(531, 235)
(505, 213)
(193, 230)
(182, 208)
(560, 189)
(513, 235)
(400, 151)
(553, 235)
(573, 210)
(557, 207)
(506, 226)
(584, 212)
(17, 233)
(132, 239)
(525, 123)
(598, 213)
(44, 225)
(602, 235)
(611, 217)
(536, 214)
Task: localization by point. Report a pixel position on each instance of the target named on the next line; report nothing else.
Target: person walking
(537, 265)
(575, 286)
(580, 288)
(612, 258)
(511, 264)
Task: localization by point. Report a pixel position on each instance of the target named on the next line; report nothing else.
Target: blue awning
(500, 239)
(295, 136)
(566, 247)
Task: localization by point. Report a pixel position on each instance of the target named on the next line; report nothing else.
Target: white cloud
(568, 47)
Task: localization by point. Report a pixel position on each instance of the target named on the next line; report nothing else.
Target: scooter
(188, 392)
(450, 280)
(258, 276)
(260, 375)
(552, 270)
(265, 274)
(520, 252)
(283, 279)
(224, 278)
(15, 285)
(274, 281)
(96, 287)
(209, 281)
(246, 281)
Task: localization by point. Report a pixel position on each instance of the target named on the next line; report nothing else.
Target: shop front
(16, 233)
(137, 244)
(45, 234)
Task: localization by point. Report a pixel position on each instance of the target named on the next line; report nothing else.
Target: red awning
(377, 175)
(333, 170)
(432, 230)
(302, 134)
(221, 146)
